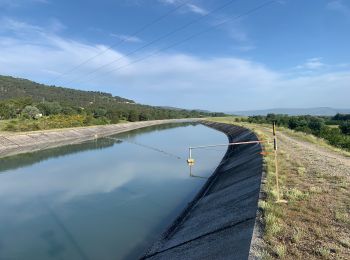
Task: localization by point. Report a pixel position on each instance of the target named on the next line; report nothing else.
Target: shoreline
(26, 142)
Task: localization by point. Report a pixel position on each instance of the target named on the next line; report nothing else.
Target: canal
(102, 199)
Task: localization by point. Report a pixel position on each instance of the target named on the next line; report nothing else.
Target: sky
(218, 55)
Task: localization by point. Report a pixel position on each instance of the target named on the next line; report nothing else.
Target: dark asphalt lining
(219, 222)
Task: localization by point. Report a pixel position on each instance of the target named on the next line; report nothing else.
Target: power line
(186, 39)
(143, 28)
(158, 39)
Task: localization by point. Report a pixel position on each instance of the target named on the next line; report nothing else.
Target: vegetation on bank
(29, 106)
(314, 223)
(336, 129)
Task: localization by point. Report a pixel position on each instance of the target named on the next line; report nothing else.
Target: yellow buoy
(190, 161)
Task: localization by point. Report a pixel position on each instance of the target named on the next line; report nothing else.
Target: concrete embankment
(16, 143)
(219, 222)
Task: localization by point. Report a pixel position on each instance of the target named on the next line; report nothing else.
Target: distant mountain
(314, 111)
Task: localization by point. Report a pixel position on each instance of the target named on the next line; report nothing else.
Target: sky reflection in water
(101, 199)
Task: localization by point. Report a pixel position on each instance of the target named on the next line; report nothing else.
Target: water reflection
(101, 199)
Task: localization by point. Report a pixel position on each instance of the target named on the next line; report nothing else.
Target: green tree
(50, 108)
(345, 127)
(100, 112)
(113, 116)
(30, 112)
(7, 110)
(316, 124)
(133, 116)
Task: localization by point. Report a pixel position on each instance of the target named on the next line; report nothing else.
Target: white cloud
(339, 6)
(196, 9)
(191, 7)
(182, 80)
(126, 38)
(312, 64)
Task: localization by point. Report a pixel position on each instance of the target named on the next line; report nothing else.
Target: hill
(33, 106)
(315, 111)
(11, 88)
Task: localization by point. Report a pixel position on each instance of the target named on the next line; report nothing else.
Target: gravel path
(317, 158)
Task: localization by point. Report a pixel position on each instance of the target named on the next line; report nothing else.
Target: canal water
(102, 199)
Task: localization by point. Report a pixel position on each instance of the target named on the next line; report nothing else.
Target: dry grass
(314, 224)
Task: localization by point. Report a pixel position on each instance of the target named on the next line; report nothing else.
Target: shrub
(50, 108)
(345, 127)
(30, 112)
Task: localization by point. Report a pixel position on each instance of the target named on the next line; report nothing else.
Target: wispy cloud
(221, 83)
(339, 6)
(312, 64)
(235, 31)
(126, 38)
(20, 3)
(196, 9)
(191, 7)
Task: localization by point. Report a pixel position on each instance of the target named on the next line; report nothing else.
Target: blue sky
(289, 53)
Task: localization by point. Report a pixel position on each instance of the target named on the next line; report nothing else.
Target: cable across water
(147, 147)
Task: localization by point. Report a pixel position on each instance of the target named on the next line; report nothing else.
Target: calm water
(102, 199)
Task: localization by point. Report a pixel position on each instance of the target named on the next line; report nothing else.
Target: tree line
(336, 129)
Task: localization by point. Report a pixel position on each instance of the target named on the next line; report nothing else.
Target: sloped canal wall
(219, 222)
(17, 143)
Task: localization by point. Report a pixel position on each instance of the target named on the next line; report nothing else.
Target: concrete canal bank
(17, 143)
(219, 222)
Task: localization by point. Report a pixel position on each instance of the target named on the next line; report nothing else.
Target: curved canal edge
(219, 222)
(17, 143)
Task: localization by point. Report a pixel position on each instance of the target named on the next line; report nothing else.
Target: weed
(264, 255)
(322, 251)
(341, 215)
(280, 250)
(315, 189)
(296, 195)
(297, 235)
(345, 242)
(301, 171)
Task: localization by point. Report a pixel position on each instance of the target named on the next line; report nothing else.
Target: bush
(100, 112)
(50, 108)
(345, 127)
(30, 112)
(339, 137)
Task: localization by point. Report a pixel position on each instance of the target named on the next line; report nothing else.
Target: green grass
(308, 226)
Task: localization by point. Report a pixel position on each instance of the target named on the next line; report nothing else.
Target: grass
(322, 251)
(297, 235)
(301, 170)
(280, 250)
(314, 224)
(3, 123)
(296, 195)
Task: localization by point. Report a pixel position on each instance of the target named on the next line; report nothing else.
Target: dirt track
(316, 157)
